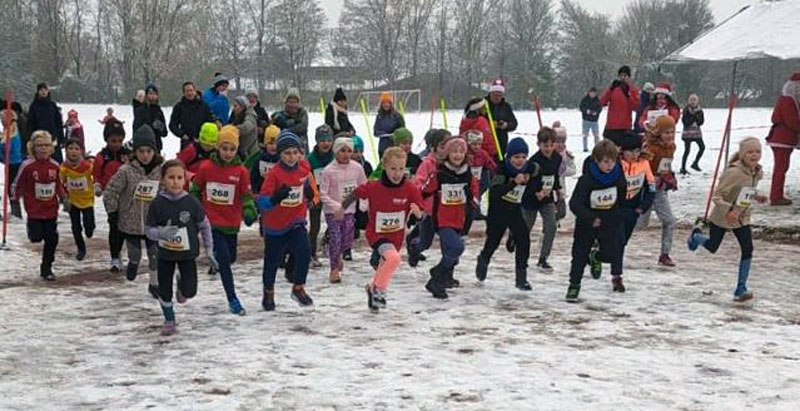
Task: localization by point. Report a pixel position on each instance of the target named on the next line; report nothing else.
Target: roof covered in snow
(767, 29)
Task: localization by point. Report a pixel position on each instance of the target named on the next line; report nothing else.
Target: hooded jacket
(502, 112)
(130, 192)
(736, 189)
(44, 114)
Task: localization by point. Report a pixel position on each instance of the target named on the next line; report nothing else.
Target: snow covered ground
(673, 341)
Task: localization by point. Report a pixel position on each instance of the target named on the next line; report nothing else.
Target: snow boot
(132, 271)
(696, 238)
(435, 283)
(236, 307)
(449, 281)
(741, 294)
(616, 284)
(572, 293)
(299, 294)
(521, 280)
(481, 268)
(268, 301)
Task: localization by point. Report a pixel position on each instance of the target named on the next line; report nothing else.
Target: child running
(598, 217)
(567, 169)
(38, 186)
(283, 196)
(505, 197)
(361, 215)
(391, 199)
(174, 220)
(77, 177)
(260, 163)
(338, 180)
(106, 164)
(640, 182)
(196, 152)
(127, 200)
(454, 191)
(733, 199)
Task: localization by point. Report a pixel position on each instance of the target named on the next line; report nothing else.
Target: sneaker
(745, 296)
(524, 286)
(413, 258)
(380, 298)
(116, 265)
(335, 276)
(544, 267)
(169, 328)
(693, 242)
(616, 283)
(781, 202)
(684, 172)
(46, 272)
(347, 255)
(268, 301)
(511, 246)
(179, 297)
(299, 294)
(131, 271)
(665, 261)
(596, 266)
(236, 307)
(695, 167)
(572, 293)
(153, 290)
(481, 269)
(371, 303)
(81, 254)
(422, 257)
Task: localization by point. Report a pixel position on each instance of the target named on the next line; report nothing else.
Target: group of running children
(173, 208)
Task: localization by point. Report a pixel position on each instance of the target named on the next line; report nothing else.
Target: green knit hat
(209, 134)
(402, 135)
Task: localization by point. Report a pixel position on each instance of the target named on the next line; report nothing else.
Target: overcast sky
(721, 8)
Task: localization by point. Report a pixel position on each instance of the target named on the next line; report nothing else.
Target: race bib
(746, 196)
(548, 182)
(653, 115)
(665, 165)
(347, 188)
(453, 194)
(178, 242)
(264, 167)
(476, 172)
(221, 194)
(77, 184)
(44, 191)
(295, 197)
(515, 195)
(146, 190)
(603, 199)
(635, 184)
(389, 222)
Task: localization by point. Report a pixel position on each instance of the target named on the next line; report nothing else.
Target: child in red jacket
(106, 163)
(454, 191)
(283, 197)
(475, 119)
(391, 199)
(37, 184)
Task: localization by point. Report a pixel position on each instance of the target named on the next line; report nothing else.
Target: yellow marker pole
(443, 107)
(494, 131)
(322, 106)
(402, 107)
(369, 132)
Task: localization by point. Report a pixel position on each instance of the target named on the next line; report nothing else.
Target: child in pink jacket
(338, 180)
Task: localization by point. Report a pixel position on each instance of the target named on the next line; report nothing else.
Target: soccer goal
(405, 101)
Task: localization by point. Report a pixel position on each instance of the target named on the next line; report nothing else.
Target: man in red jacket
(622, 98)
(783, 137)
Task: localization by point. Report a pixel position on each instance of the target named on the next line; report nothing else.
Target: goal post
(405, 101)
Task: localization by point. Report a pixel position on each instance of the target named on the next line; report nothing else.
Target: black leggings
(687, 145)
(44, 231)
(187, 282)
(313, 231)
(496, 225)
(82, 220)
(743, 235)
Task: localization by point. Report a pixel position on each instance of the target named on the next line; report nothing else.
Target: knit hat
(339, 95)
(663, 88)
(517, 146)
(292, 93)
(229, 134)
(242, 101)
(113, 128)
(649, 87)
(151, 87)
(288, 140)
(386, 96)
(475, 104)
(251, 92)
(358, 143)
(144, 137)
(631, 141)
(271, 134)
(209, 134)
(323, 133)
(664, 123)
(624, 70)
(497, 86)
(402, 135)
(561, 134)
(474, 136)
(219, 79)
(452, 143)
(342, 142)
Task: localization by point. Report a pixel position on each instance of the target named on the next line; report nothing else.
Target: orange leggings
(390, 260)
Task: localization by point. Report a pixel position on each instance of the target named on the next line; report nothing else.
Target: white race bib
(635, 184)
(746, 196)
(146, 190)
(44, 191)
(664, 165)
(515, 195)
(603, 199)
(548, 182)
(264, 167)
(346, 188)
(220, 194)
(77, 184)
(178, 242)
(476, 172)
(295, 197)
(653, 115)
(389, 222)
(453, 194)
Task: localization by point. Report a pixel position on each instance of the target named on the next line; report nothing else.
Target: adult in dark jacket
(692, 119)
(44, 114)
(386, 122)
(150, 113)
(590, 112)
(293, 117)
(262, 117)
(502, 113)
(336, 114)
(188, 115)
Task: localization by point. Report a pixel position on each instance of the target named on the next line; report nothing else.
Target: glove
(280, 194)
(113, 218)
(158, 126)
(250, 215)
(167, 231)
(97, 190)
(212, 262)
(615, 84)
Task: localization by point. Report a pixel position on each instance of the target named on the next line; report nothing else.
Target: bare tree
(299, 30)
(419, 14)
(373, 30)
(531, 33)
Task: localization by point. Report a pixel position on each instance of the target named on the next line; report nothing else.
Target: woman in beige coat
(733, 199)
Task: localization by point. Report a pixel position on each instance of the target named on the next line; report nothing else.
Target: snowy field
(674, 341)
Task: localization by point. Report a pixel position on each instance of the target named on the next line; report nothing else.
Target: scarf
(336, 110)
(605, 179)
(512, 171)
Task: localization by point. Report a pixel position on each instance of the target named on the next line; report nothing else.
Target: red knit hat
(795, 76)
(663, 88)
